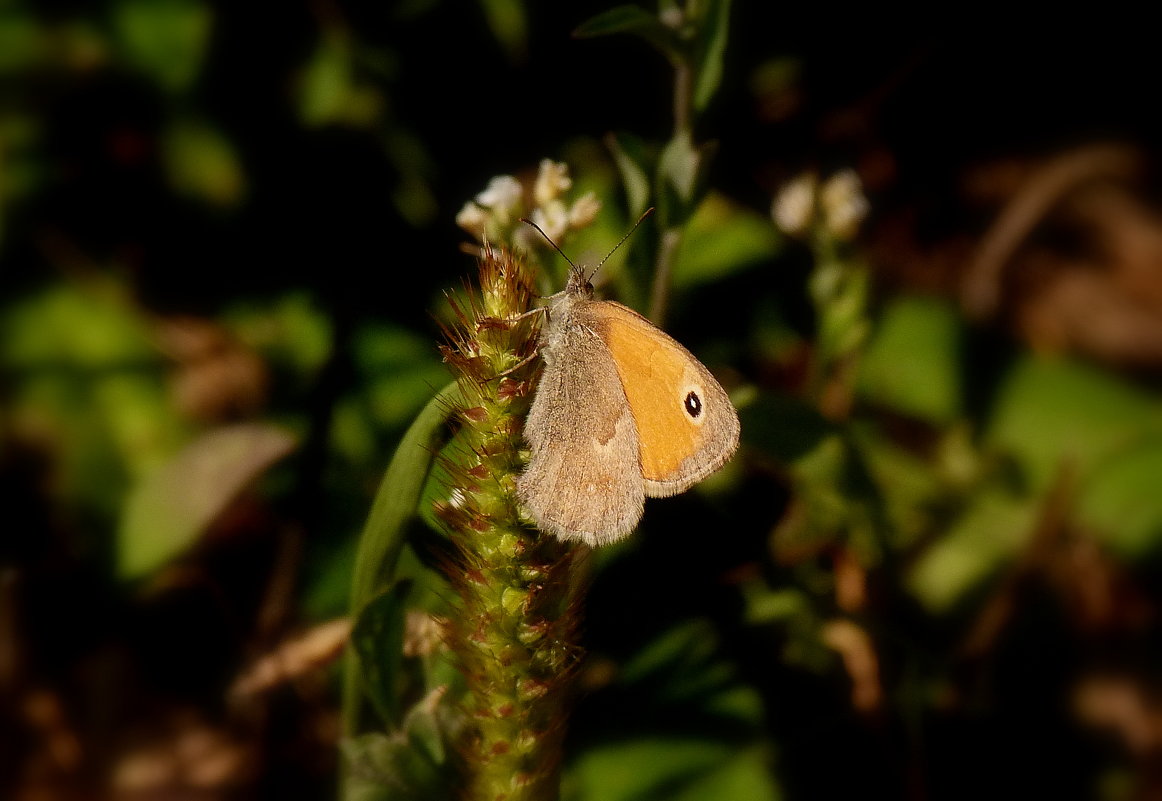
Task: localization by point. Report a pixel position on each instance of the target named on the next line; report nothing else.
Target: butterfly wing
(686, 425)
(583, 481)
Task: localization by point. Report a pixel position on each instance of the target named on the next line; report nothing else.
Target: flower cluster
(839, 201)
(495, 213)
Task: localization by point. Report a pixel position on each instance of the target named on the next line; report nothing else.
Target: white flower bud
(502, 198)
(794, 205)
(844, 205)
(472, 219)
(552, 181)
(584, 210)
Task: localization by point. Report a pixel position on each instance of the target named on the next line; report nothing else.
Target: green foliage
(378, 642)
(173, 505)
(409, 764)
(913, 361)
(1051, 412)
(397, 499)
(1120, 501)
(718, 749)
(165, 39)
(722, 240)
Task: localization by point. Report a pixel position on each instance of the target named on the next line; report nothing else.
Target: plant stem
(516, 632)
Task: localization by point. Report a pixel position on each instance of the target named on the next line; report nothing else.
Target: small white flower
(553, 219)
(472, 219)
(502, 198)
(584, 210)
(552, 181)
(794, 205)
(844, 205)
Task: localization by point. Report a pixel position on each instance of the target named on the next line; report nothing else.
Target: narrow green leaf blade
(633, 20)
(378, 641)
(383, 535)
(398, 496)
(714, 36)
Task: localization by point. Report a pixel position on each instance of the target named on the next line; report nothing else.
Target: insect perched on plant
(622, 412)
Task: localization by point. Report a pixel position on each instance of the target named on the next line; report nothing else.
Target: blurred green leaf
(913, 362)
(21, 43)
(683, 666)
(1121, 500)
(911, 486)
(84, 372)
(765, 605)
(409, 764)
(671, 769)
(508, 21)
(1054, 412)
(716, 752)
(783, 427)
(990, 532)
(75, 327)
(394, 506)
(633, 163)
(329, 91)
(722, 239)
(713, 30)
(167, 511)
(202, 163)
(165, 39)
(679, 168)
(378, 642)
(840, 291)
(632, 20)
(400, 368)
(291, 331)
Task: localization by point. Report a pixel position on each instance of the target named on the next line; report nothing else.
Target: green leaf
(1052, 412)
(684, 667)
(398, 369)
(508, 21)
(714, 33)
(678, 171)
(716, 751)
(22, 42)
(913, 362)
(384, 533)
(378, 641)
(167, 511)
(989, 534)
(165, 39)
(911, 487)
(202, 163)
(632, 20)
(722, 239)
(783, 427)
(671, 769)
(398, 497)
(330, 90)
(633, 162)
(407, 765)
(1121, 500)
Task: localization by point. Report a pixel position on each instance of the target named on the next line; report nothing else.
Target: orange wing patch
(655, 371)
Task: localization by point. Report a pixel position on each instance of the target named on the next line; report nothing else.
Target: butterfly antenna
(548, 239)
(620, 242)
(557, 248)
